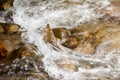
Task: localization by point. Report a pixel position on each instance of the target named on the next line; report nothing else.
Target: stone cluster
(85, 38)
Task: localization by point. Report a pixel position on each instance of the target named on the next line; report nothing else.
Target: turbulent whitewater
(33, 15)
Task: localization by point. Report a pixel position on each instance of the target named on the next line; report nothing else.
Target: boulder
(87, 37)
(5, 4)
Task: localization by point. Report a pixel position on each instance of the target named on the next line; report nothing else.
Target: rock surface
(87, 37)
(17, 59)
(5, 4)
(66, 64)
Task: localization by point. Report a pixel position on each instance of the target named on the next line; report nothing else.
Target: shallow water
(33, 15)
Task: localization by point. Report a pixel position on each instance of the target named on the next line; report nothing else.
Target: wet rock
(16, 39)
(71, 43)
(23, 51)
(87, 37)
(48, 37)
(60, 33)
(85, 48)
(5, 4)
(3, 51)
(66, 64)
(18, 59)
(1, 29)
(8, 45)
(10, 39)
(9, 28)
(26, 67)
(91, 37)
(82, 39)
(75, 30)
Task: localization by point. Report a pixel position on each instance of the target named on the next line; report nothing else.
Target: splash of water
(34, 14)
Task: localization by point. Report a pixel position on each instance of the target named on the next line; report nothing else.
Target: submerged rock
(66, 64)
(24, 68)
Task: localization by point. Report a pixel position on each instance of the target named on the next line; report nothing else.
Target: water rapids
(33, 15)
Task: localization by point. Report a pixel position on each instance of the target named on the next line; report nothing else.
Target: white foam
(32, 17)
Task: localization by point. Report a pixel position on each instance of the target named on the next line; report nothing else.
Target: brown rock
(8, 45)
(114, 44)
(48, 37)
(66, 64)
(5, 4)
(23, 51)
(11, 28)
(87, 37)
(75, 30)
(71, 43)
(60, 33)
(1, 30)
(3, 51)
(85, 48)
(16, 39)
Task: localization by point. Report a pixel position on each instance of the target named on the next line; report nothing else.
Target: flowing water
(33, 15)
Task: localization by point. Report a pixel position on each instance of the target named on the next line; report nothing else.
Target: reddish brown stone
(3, 51)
